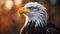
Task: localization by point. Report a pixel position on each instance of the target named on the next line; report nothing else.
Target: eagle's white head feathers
(37, 13)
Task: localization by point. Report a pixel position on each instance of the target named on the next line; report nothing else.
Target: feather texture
(39, 14)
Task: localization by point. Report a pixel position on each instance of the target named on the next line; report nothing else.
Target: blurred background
(11, 23)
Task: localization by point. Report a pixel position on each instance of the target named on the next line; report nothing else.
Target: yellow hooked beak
(23, 10)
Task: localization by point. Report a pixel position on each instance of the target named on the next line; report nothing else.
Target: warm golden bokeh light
(17, 2)
(2, 2)
(8, 5)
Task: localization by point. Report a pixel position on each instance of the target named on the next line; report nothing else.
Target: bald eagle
(36, 19)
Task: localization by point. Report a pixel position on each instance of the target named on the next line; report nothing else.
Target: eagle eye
(29, 7)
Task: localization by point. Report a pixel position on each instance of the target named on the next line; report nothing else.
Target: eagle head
(35, 12)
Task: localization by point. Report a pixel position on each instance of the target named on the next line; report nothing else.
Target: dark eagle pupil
(30, 7)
